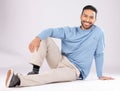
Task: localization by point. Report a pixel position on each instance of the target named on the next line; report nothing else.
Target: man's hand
(34, 45)
(106, 78)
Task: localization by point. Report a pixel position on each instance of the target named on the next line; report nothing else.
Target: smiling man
(88, 18)
(80, 45)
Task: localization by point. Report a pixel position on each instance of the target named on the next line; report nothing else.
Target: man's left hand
(106, 78)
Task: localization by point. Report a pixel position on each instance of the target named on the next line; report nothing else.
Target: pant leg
(49, 50)
(54, 75)
(65, 71)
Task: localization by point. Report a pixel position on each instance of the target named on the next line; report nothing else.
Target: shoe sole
(9, 77)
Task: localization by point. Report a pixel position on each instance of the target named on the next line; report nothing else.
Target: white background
(22, 20)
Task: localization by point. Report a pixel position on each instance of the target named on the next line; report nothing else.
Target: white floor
(90, 84)
(87, 85)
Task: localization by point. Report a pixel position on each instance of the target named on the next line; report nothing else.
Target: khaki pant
(61, 68)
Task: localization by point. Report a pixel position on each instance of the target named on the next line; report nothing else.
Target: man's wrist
(37, 38)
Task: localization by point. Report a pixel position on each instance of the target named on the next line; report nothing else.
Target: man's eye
(91, 17)
(85, 15)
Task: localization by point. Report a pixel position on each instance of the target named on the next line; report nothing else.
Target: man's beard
(86, 27)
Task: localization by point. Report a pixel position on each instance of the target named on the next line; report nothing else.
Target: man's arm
(51, 32)
(99, 58)
(99, 55)
(59, 33)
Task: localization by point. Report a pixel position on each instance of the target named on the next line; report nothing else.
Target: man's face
(88, 18)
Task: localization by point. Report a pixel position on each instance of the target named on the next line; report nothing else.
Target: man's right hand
(34, 45)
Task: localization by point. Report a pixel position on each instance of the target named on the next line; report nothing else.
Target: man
(79, 46)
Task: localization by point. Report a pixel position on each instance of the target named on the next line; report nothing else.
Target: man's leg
(51, 76)
(65, 71)
(49, 50)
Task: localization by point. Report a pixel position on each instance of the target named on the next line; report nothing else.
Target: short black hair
(90, 7)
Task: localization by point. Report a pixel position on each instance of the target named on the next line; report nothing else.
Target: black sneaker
(12, 80)
(32, 73)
